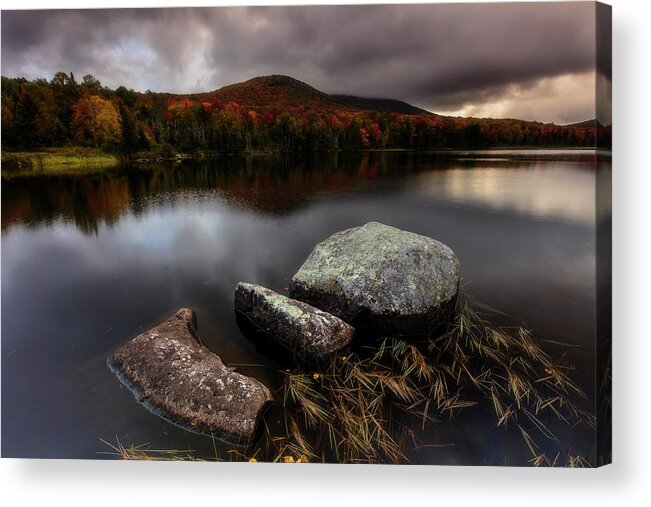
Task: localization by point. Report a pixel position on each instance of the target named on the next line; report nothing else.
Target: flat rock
(381, 279)
(174, 375)
(310, 333)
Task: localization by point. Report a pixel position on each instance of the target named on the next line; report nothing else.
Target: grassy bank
(74, 160)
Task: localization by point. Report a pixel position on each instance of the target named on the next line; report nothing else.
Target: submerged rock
(381, 279)
(310, 333)
(175, 376)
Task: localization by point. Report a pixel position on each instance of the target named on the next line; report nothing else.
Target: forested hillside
(267, 113)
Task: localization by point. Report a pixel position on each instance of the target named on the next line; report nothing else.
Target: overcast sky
(531, 61)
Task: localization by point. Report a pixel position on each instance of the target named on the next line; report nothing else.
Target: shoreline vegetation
(74, 160)
(86, 160)
(51, 126)
(350, 410)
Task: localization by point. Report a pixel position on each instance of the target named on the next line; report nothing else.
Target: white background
(626, 482)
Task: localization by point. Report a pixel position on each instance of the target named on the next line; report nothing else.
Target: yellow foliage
(96, 121)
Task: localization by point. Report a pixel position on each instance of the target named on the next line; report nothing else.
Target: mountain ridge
(266, 91)
(265, 113)
(383, 104)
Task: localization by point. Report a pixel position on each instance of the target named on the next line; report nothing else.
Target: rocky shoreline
(374, 279)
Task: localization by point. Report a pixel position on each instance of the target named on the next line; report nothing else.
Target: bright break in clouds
(530, 61)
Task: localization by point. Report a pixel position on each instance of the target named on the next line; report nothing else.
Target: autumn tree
(91, 85)
(287, 131)
(66, 92)
(96, 121)
(268, 115)
(229, 129)
(129, 139)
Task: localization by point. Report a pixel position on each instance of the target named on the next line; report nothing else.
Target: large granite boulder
(381, 279)
(307, 332)
(178, 378)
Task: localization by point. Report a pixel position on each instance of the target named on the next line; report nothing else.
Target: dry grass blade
(354, 410)
(145, 453)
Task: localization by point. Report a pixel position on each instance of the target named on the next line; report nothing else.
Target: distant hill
(588, 124)
(276, 91)
(267, 113)
(383, 105)
(284, 92)
(584, 124)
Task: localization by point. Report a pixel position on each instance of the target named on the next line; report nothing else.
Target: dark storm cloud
(442, 57)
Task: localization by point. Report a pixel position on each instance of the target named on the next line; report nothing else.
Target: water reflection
(277, 185)
(546, 190)
(272, 185)
(89, 261)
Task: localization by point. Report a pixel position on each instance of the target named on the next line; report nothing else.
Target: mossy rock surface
(381, 279)
(301, 329)
(178, 378)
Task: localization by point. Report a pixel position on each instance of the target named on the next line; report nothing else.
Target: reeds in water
(354, 409)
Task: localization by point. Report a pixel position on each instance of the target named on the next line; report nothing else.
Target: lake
(90, 261)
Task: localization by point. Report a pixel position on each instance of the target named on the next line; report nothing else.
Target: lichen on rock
(302, 329)
(175, 376)
(381, 279)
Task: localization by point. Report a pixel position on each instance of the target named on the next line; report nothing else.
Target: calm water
(90, 261)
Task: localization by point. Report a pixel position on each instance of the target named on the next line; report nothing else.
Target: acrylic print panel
(284, 234)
